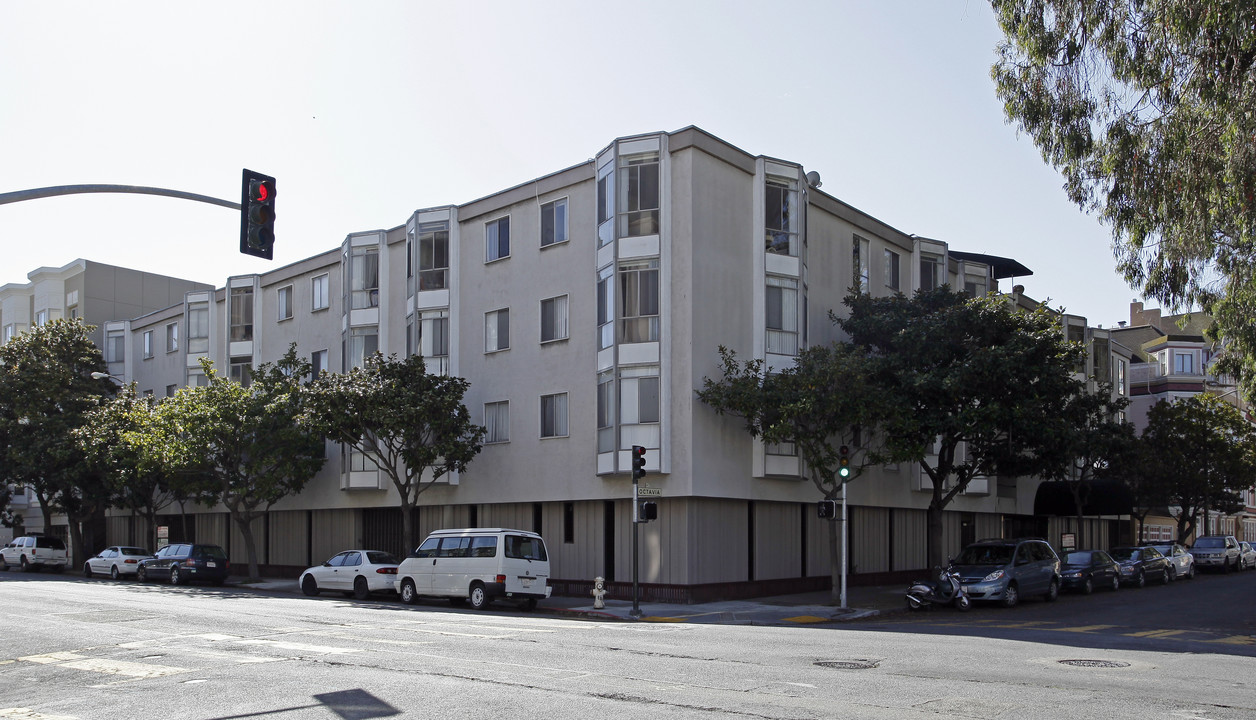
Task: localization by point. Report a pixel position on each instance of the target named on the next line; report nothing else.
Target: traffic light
(638, 462)
(827, 509)
(257, 215)
(843, 462)
(648, 511)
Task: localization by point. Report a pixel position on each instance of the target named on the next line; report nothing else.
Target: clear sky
(365, 112)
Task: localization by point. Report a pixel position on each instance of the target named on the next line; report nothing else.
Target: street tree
(820, 404)
(242, 447)
(1148, 109)
(1204, 456)
(971, 387)
(46, 390)
(409, 423)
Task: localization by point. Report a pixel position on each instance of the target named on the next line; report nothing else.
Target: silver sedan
(115, 561)
(356, 573)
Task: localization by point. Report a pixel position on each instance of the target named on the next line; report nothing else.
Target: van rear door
(525, 564)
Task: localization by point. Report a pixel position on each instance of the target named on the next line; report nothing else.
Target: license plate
(526, 582)
(211, 563)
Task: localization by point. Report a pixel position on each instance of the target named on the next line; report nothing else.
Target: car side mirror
(327, 564)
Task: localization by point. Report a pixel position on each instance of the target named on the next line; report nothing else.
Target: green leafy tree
(819, 404)
(970, 388)
(243, 447)
(46, 390)
(113, 441)
(409, 423)
(1205, 455)
(1149, 112)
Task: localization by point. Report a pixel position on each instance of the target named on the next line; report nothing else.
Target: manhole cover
(849, 664)
(1095, 663)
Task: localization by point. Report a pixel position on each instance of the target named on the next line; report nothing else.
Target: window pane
(648, 399)
(497, 422)
(554, 415)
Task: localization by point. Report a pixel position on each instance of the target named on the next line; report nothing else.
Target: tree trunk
(76, 541)
(407, 524)
(934, 526)
(244, 521)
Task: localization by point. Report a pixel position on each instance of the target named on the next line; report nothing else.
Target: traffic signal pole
(636, 594)
(37, 193)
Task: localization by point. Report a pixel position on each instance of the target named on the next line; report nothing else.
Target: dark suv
(185, 562)
(1005, 570)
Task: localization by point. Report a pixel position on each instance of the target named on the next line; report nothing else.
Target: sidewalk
(802, 609)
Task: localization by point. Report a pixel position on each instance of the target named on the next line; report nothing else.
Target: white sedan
(356, 573)
(115, 561)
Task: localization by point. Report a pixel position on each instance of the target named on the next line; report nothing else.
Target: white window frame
(318, 361)
(495, 241)
(497, 422)
(893, 268)
(172, 337)
(553, 416)
(283, 298)
(554, 311)
(555, 232)
(782, 330)
(781, 240)
(861, 251)
(240, 327)
(363, 284)
(320, 288)
(637, 217)
(497, 330)
(147, 339)
(633, 299)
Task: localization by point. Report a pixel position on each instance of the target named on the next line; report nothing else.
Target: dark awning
(1099, 497)
(1001, 267)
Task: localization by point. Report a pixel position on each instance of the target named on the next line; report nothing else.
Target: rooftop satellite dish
(813, 179)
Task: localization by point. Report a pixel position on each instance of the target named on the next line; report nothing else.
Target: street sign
(649, 492)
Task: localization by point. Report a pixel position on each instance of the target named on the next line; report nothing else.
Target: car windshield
(1077, 558)
(1210, 542)
(985, 555)
(376, 557)
(1123, 554)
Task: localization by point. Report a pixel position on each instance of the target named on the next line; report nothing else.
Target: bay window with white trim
(639, 301)
(781, 315)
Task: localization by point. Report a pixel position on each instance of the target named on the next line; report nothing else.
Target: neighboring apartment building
(97, 294)
(585, 307)
(1173, 360)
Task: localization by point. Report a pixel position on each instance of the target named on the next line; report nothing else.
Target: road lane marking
(52, 658)
(1086, 628)
(28, 714)
(298, 647)
(1235, 640)
(122, 667)
(1157, 633)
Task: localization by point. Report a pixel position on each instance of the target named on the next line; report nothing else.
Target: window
(242, 370)
(554, 415)
(639, 301)
(930, 272)
(605, 412)
(782, 315)
(639, 195)
(496, 330)
(171, 390)
(434, 256)
(358, 461)
(497, 422)
(318, 362)
(639, 401)
(434, 337)
(497, 239)
(781, 217)
(318, 292)
(242, 314)
(787, 449)
(363, 343)
(1183, 363)
(605, 208)
(554, 319)
(172, 337)
(891, 270)
(148, 344)
(1119, 379)
(197, 378)
(198, 327)
(554, 222)
(9, 331)
(569, 523)
(859, 263)
(41, 318)
(285, 302)
(605, 308)
(364, 277)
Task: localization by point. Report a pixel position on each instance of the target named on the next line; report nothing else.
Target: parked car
(1219, 552)
(1140, 563)
(1181, 562)
(1007, 570)
(34, 552)
(1247, 556)
(1084, 570)
(353, 572)
(185, 562)
(116, 561)
(477, 565)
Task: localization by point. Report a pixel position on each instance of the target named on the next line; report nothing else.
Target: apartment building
(585, 307)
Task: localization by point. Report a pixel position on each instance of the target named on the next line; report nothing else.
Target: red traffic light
(262, 190)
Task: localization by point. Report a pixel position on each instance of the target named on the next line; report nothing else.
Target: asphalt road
(74, 648)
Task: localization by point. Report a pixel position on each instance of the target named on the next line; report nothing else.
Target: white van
(477, 564)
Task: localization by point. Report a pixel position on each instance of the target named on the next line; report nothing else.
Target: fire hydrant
(599, 590)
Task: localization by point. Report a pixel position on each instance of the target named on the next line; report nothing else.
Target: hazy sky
(365, 112)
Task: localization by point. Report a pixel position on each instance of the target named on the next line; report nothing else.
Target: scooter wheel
(914, 605)
(963, 604)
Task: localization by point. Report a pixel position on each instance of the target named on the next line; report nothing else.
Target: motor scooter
(948, 590)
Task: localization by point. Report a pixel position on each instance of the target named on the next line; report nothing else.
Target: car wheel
(478, 596)
(1141, 580)
(1166, 577)
(141, 574)
(1190, 572)
(309, 586)
(361, 590)
(1225, 565)
(113, 572)
(26, 566)
(1053, 591)
(1011, 596)
(1171, 574)
(1088, 587)
(87, 570)
(530, 603)
(175, 579)
(409, 595)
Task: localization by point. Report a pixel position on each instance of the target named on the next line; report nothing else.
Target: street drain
(849, 664)
(1095, 663)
